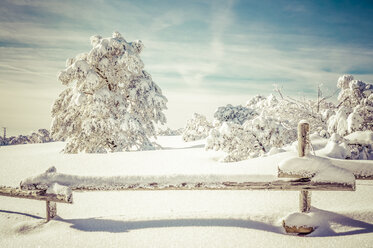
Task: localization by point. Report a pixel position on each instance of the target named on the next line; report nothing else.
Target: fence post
(51, 210)
(303, 137)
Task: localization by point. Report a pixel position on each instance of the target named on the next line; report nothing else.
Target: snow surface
(187, 159)
(172, 218)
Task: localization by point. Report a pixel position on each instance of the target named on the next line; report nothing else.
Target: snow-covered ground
(173, 218)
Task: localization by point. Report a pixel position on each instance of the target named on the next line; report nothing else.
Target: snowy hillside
(174, 218)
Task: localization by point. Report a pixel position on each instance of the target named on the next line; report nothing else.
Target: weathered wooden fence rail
(277, 185)
(41, 195)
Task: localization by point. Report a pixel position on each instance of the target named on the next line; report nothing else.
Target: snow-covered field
(173, 218)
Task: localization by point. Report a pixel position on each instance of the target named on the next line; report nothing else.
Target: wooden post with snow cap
(303, 139)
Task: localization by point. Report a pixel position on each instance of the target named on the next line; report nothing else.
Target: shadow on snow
(19, 213)
(115, 226)
(119, 226)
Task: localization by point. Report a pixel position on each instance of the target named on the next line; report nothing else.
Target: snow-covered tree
(111, 103)
(236, 114)
(42, 136)
(196, 128)
(355, 108)
(20, 139)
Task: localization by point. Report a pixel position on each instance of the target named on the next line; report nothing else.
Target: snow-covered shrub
(234, 140)
(338, 122)
(3, 141)
(42, 136)
(288, 111)
(196, 128)
(355, 108)
(361, 144)
(271, 132)
(262, 103)
(236, 114)
(255, 138)
(111, 103)
(20, 139)
(170, 132)
(269, 123)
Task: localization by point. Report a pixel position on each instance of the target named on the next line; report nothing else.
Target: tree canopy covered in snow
(235, 114)
(111, 103)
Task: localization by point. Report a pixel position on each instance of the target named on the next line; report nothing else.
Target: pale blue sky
(203, 54)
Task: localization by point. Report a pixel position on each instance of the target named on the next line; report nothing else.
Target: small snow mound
(275, 150)
(360, 137)
(333, 149)
(302, 220)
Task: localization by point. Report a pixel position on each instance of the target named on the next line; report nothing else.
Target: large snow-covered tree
(111, 103)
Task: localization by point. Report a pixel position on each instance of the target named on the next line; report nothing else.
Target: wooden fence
(303, 185)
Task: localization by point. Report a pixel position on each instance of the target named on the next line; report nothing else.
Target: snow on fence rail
(177, 182)
(50, 196)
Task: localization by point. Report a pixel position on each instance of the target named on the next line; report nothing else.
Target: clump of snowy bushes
(270, 122)
(41, 136)
(170, 132)
(290, 111)
(361, 144)
(111, 103)
(254, 137)
(196, 128)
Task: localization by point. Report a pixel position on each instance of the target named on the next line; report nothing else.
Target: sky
(203, 54)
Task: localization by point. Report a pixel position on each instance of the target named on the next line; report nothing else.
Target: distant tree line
(41, 136)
